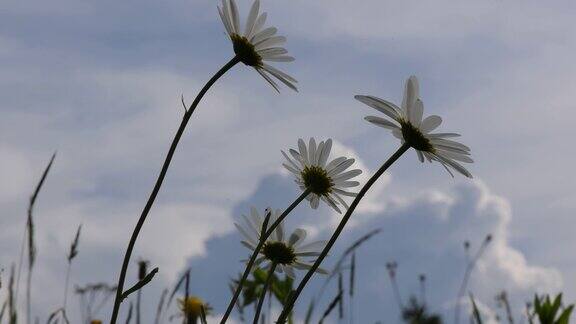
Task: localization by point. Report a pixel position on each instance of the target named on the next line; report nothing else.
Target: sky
(100, 83)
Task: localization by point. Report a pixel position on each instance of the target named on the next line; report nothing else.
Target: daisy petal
(325, 153)
(248, 237)
(455, 165)
(305, 266)
(312, 150)
(253, 229)
(335, 162)
(381, 122)
(398, 134)
(331, 203)
(225, 22)
(443, 135)
(252, 18)
(257, 221)
(282, 58)
(420, 156)
(339, 199)
(307, 254)
(303, 151)
(385, 107)
(417, 113)
(445, 167)
(280, 228)
(249, 245)
(235, 16)
(291, 169)
(267, 78)
(257, 25)
(270, 42)
(289, 271)
(348, 184)
(450, 143)
(411, 93)
(314, 202)
(297, 156)
(297, 236)
(451, 149)
(227, 14)
(276, 71)
(312, 247)
(344, 193)
(319, 151)
(266, 33)
(347, 175)
(272, 51)
(341, 167)
(291, 162)
(430, 123)
(455, 156)
(280, 77)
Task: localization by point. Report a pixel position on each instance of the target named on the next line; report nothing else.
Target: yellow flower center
(316, 179)
(192, 307)
(279, 253)
(246, 51)
(414, 137)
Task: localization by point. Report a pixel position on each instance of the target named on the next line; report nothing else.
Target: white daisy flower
(326, 181)
(407, 125)
(287, 252)
(256, 44)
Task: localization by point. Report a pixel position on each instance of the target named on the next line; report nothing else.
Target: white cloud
(503, 262)
(113, 125)
(424, 233)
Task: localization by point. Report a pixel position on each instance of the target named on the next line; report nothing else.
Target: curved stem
(138, 300)
(29, 296)
(255, 254)
(423, 292)
(20, 263)
(397, 295)
(67, 282)
(263, 295)
(293, 297)
(150, 202)
(468, 272)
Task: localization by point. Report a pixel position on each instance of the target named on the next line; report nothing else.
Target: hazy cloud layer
(100, 82)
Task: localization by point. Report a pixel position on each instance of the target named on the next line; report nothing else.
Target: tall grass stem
(263, 239)
(290, 303)
(159, 181)
(263, 295)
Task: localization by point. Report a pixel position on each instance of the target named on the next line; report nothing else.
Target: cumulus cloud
(432, 229)
(101, 84)
(423, 233)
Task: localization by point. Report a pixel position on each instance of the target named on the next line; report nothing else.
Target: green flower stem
(294, 296)
(171, 151)
(256, 251)
(263, 295)
(467, 273)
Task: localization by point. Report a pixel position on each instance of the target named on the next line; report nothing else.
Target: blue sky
(100, 81)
